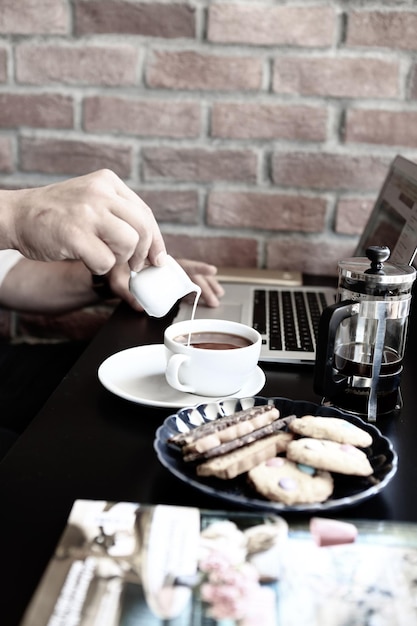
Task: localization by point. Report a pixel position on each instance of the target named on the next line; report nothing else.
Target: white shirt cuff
(8, 259)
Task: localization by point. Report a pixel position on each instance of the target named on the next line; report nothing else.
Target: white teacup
(220, 359)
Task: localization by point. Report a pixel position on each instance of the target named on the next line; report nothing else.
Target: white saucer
(137, 374)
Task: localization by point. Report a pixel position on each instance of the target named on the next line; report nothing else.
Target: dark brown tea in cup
(214, 340)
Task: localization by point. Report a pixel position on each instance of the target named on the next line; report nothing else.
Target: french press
(361, 338)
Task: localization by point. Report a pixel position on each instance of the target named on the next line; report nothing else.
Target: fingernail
(136, 267)
(161, 259)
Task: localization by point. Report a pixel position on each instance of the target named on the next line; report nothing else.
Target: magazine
(129, 564)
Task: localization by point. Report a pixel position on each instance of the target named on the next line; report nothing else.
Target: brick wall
(259, 131)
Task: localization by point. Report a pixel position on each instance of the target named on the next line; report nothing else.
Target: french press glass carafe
(361, 339)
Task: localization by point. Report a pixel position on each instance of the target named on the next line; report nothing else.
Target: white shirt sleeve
(8, 259)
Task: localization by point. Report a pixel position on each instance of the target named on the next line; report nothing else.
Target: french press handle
(325, 383)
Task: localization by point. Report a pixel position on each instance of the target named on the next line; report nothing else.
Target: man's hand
(95, 218)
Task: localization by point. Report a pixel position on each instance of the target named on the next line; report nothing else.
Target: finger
(127, 296)
(118, 278)
(119, 236)
(209, 290)
(216, 287)
(151, 244)
(95, 254)
(197, 267)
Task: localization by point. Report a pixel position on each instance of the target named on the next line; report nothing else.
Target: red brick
(3, 65)
(6, 155)
(159, 118)
(383, 29)
(36, 110)
(340, 77)
(270, 25)
(191, 70)
(268, 211)
(221, 251)
(352, 215)
(172, 205)
(199, 164)
(34, 17)
(268, 121)
(147, 19)
(329, 171)
(65, 156)
(73, 65)
(309, 257)
(381, 127)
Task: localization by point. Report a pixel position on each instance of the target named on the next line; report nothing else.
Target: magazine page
(120, 564)
(127, 564)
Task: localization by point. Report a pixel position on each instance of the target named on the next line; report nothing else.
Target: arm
(63, 286)
(47, 288)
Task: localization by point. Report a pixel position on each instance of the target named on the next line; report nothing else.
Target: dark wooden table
(88, 443)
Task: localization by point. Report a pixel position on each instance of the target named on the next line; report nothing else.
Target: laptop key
(317, 302)
(259, 311)
(306, 341)
(290, 330)
(275, 339)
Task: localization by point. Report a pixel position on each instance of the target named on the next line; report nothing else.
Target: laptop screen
(393, 221)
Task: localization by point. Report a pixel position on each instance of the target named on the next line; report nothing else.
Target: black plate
(348, 491)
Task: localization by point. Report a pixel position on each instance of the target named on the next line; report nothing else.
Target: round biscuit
(332, 428)
(332, 456)
(282, 480)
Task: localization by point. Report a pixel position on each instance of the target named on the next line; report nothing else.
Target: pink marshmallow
(330, 532)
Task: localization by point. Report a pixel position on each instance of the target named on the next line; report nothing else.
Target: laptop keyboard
(288, 319)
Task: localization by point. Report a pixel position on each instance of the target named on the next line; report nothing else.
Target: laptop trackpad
(230, 311)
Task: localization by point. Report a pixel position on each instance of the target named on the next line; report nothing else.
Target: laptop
(287, 313)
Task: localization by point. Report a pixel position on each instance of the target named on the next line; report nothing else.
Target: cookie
(239, 461)
(239, 442)
(332, 456)
(181, 439)
(282, 480)
(232, 432)
(333, 428)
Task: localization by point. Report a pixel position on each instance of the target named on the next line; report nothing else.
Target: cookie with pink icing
(282, 480)
(332, 456)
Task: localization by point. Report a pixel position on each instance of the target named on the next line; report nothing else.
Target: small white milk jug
(157, 289)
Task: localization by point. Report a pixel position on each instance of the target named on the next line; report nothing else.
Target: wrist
(10, 202)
